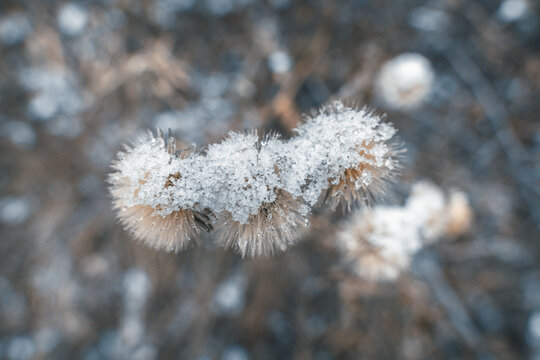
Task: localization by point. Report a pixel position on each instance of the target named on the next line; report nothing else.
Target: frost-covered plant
(350, 155)
(256, 194)
(379, 243)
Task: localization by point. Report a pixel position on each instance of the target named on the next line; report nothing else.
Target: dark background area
(77, 80)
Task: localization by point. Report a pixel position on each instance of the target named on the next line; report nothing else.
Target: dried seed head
(370, 247)
(142, 199)
(405, 81)
(276, 226)
(238, 176)
(373, 262)
(166, 197)
(351, 155)
(378, 243)
(366, 182)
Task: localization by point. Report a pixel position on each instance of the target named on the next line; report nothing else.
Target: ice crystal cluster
(379, 243)
(254, 193)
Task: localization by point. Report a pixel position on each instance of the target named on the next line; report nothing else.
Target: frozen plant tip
(351, 155)
(256, 193)
(143, 174)
(257, 216)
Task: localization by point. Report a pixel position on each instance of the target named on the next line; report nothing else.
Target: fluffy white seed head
(379, 243)
(141, 191)
(347, 155)
(405, 81)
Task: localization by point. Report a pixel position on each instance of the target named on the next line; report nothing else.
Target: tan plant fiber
(276, 227)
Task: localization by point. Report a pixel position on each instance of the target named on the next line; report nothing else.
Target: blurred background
(79, 79)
